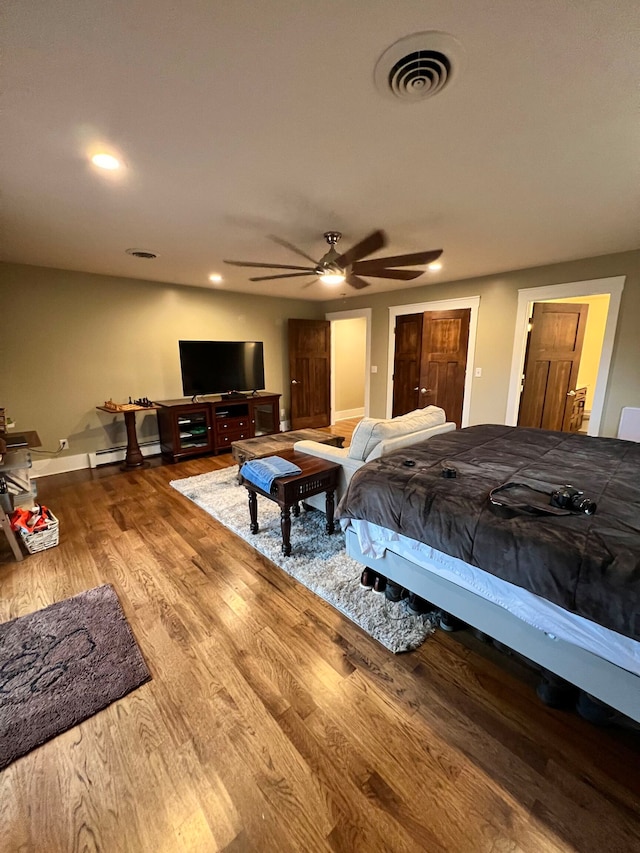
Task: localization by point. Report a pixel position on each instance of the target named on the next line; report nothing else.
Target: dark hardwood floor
(272, 723)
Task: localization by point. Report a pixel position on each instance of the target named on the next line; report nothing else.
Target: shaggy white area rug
(317, 560)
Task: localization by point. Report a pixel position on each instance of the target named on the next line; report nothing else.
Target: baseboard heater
(116, 454)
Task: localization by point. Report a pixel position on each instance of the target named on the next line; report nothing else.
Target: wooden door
(406, 363)
(552, 360)
(309, 373)
(430, 361)
(443, 360)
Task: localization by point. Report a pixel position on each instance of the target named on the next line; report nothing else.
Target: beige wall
(593, 338)
(71, 340)
(349, 348)
(496, 322)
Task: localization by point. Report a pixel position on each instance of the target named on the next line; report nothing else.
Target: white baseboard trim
(63, 464)
(59, 465)
(348, 413)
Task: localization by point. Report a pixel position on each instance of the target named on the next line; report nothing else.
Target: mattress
(438, 492)
(535, 611)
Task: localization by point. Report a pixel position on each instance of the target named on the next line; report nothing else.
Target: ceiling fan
(333, 268)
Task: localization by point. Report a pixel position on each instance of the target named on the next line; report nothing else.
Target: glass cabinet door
(265, 418)
(193, 430)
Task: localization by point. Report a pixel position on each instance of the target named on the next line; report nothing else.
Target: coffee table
(317, 475)
(275, 444)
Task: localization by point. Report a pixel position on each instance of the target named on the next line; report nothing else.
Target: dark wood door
(431, 361)
(443, 361)
(309, 373)
(406, 363)
(552, 360)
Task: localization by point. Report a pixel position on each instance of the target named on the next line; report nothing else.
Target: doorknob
(426, 390)
(294, 382)
(571, 393)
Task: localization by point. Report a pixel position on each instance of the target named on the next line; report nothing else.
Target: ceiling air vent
(141, 253)
(419, 66)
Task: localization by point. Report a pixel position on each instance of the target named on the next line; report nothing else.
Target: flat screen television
(221, 367)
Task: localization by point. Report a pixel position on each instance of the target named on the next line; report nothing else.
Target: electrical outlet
(64, 444)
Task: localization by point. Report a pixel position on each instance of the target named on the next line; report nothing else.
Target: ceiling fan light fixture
(436, 266)
(332, 278)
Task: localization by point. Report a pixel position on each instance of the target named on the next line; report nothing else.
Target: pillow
(371, 431)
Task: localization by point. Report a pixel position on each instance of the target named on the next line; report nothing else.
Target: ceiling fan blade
(356, 282)
(398, 260)
(268, 266)
(288, 275)
(401, 275)
(291, 248)
(376, 240)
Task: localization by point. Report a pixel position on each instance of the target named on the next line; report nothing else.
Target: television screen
(220, 367)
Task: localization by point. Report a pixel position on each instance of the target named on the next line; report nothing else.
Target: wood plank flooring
(272, 723)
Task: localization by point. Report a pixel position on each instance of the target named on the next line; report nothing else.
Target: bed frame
(610, 683)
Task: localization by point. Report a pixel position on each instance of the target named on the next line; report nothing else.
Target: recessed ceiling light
(215, 277)
(435, 266)
(105, 161)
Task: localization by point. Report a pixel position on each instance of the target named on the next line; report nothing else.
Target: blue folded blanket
(262, 472)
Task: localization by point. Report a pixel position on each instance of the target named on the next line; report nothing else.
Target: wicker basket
(45, 537)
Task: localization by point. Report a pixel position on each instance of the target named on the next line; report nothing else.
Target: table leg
(133, 457)
(12, 537)
(330, 507)
(296, 510)
(285, 526)
(240, 460)
(253, 511)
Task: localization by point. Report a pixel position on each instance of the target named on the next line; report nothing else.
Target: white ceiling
(241, 119)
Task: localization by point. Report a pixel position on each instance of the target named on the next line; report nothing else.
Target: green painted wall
(496, 323)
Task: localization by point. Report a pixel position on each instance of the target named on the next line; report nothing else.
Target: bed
(555, 584)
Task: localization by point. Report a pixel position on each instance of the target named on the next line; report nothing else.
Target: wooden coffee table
(274, 445)
(317, 476)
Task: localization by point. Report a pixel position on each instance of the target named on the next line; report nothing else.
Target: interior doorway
(551, 394)
(350, 363)
(470, 303)
(430, 361)
(603, 296)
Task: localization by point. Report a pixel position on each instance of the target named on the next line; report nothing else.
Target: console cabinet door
(265, 416)
(185, 431)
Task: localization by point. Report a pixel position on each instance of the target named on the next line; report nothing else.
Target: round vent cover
(141, 253)
(419, 66)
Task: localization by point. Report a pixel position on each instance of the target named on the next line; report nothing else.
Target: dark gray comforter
(589, 565)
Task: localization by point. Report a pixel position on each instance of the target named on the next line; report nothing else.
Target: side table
(133, 457)
(316, 476)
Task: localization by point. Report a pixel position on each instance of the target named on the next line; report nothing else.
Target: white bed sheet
(531, 608)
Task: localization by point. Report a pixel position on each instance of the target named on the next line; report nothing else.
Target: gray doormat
(317, 560)
(61, 665)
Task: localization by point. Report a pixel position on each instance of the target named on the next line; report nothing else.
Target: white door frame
(612, 287)
(472, 302)
(350, 315)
